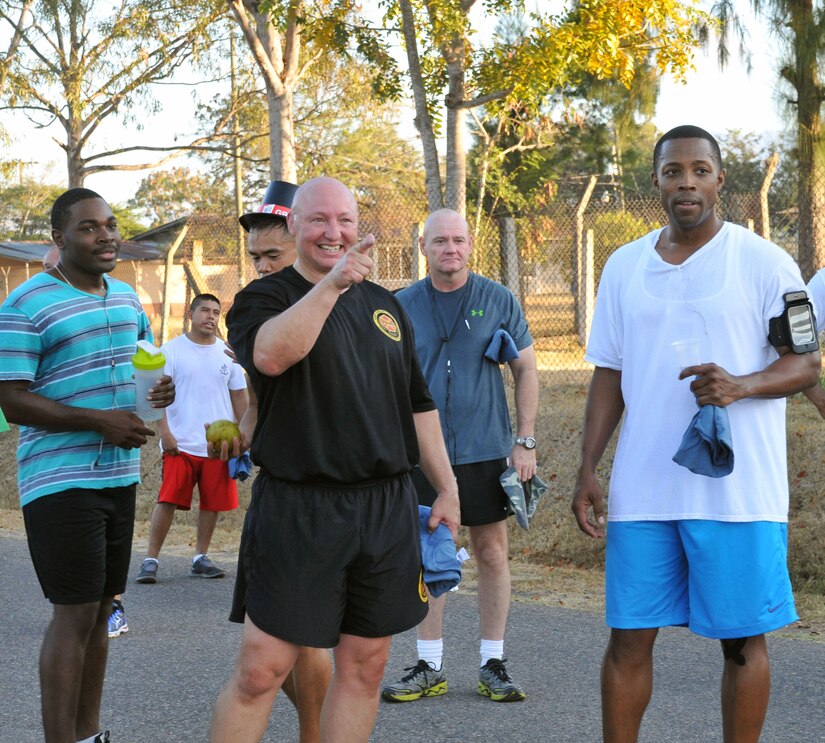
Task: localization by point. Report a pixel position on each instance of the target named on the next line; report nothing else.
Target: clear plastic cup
(688, 352)
(149, 363)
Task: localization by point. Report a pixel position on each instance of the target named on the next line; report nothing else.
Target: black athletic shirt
(344, 413)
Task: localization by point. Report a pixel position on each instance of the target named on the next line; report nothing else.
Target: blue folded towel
(240, 467)
(707, 446)
(502, 347)
(442, 568)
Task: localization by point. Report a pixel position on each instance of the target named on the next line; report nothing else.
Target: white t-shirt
(203, 376)
(724, 295)
(816, 293)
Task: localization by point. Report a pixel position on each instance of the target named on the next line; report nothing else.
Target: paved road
(165, 674)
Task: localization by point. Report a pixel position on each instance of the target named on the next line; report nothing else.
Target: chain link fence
(550, 258)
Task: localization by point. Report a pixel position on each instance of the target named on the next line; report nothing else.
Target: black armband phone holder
(796, 326)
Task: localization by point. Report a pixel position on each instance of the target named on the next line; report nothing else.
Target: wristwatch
(528, 442)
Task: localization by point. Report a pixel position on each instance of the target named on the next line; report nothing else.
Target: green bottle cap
(147, 357)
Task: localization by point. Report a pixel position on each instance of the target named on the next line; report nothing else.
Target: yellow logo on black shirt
(422, 589)
(387, 324)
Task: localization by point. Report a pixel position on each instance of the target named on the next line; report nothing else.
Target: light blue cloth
(240, 467)
(502, 347)
(442, 568)
(707, 446)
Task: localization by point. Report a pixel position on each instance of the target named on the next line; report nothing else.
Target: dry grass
(552, 563)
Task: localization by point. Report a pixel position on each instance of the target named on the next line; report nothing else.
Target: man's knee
(732, 650)
(263, 662)
(313, 665)
(490, 544)
(81, 619)
(634, 647)
(255, 679)
(362, 661)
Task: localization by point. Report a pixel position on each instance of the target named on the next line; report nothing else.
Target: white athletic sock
(89, 740)
(432, 651)
(491, 649)
(153, 559)
(198, 557)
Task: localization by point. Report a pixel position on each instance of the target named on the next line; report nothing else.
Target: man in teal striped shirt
(67, 336)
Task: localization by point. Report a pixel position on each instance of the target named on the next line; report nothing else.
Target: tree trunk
(811, 194)
(282, 160)
(74, 156)
(804, 77)
(456, 191)
(278, 64)
(423, 121)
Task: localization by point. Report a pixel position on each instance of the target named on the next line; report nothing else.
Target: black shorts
(483, 500)
(80, 542)
(316, 561)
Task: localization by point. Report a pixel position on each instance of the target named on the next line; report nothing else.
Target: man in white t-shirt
(209, 387)
(685, 549)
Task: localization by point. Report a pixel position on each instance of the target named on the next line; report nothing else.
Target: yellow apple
(222, 430)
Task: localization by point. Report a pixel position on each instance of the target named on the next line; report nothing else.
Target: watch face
(530, 442)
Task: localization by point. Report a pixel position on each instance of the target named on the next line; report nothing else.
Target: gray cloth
(523, 496)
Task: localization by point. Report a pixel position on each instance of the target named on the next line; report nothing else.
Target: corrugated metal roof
(33, 252)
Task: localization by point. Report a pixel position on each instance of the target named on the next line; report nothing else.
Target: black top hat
(277, 204)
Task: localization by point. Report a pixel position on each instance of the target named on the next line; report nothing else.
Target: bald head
(323, 189)
(52, 258)
(324, 221)
(445, 216)
(447, 245)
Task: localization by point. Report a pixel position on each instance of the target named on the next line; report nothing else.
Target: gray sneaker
(203, 567)
(148, 571)
(421, 681)
(495, 682)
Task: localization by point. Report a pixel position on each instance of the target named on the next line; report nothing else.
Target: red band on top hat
(276, 209)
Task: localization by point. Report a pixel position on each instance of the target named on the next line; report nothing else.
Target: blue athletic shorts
(722, 579)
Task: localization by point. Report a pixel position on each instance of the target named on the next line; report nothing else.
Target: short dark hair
(266, 223)
(686, 131)
(201, 298)
(64, 202)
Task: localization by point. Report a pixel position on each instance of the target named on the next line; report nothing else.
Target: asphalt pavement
(165, 674)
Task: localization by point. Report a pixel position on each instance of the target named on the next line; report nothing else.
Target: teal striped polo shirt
(74, 348)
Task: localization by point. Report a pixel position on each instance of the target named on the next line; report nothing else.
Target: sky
(715, 100)
(719, 101)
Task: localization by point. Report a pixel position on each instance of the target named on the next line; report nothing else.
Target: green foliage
(25, 209)
(340, 129)
(336, 27)
(166, 195)
(744, 156)
(128, 223)
(78, 64)
(592, 39)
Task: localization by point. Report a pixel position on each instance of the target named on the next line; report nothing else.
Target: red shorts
(217, 491)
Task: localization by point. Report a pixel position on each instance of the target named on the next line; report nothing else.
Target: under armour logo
(476, 313)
